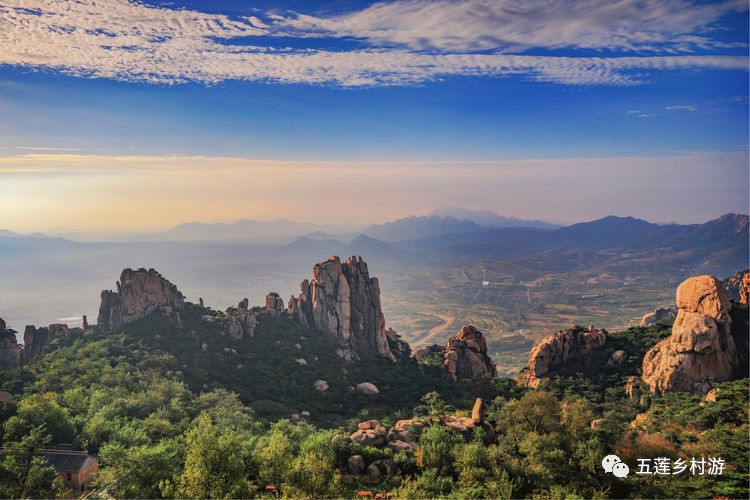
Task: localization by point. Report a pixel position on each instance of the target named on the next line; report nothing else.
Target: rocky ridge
(139, 293)
(466, 355)
(559, 349)
(701, 348)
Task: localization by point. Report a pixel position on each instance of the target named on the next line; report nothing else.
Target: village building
(76, 468)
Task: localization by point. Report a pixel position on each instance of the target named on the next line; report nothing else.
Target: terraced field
(516, 306)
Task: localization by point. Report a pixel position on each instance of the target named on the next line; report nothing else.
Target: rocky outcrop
(36, 340)
(399, 348)
(738, 286)
(11, 354)
(466, 355)
(2, 325)
(659, 314)
(367, 389)
(58, 330)
(562, 348)
(139, 293)
(243, 322)
(343, 301)
(701, 348)
(617, 358)
(274, 305)
(320, 385)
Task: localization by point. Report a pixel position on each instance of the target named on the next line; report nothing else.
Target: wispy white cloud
(682, 107)
(480, 25)
(124, 40)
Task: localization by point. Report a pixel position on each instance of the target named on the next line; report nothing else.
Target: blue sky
(94, 96)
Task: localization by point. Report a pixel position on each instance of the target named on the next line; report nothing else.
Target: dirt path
(426, 339)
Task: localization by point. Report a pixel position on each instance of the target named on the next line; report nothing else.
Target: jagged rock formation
(701, 348)
(659, 314)
(57, 330)
(243, 322)
(11, 354)
(275, 305)
(139, 293)
(36, 340)
(466, 355)
(738, 286)
(559, 349)
(343, 301)
(399, 348)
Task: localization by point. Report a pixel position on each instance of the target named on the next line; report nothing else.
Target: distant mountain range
(446, 220)
(490, 219)
(722, 241)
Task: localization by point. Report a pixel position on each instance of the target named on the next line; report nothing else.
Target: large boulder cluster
(701, 348)
(561, 348)
(243, 322)
(466, 355)
(400, 437)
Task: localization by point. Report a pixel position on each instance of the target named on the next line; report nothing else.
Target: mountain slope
(421, 227)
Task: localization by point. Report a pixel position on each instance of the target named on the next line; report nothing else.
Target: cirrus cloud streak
(127, 41)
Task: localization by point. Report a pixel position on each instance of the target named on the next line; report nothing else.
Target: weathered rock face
(37, 340)
(57, 330)
(242, 324)
(139, 293)
(561, 348)
(343, 301)
(745, 289)
(2, 325)
(399, 348)
(701, 348)
(11, 354)
(659, 314)
(34, 341)
(466, 355)
(274, 305)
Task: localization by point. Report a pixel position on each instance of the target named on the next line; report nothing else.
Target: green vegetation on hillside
(170, 419)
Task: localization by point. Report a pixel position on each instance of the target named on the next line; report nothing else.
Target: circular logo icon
(620, 469)
(609, 461)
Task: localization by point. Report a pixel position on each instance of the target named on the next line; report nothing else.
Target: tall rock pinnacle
(139, 293)
(343, 301)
